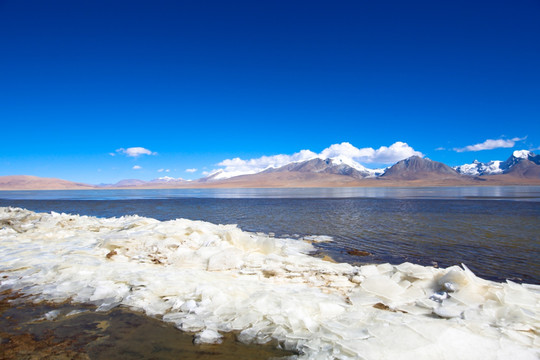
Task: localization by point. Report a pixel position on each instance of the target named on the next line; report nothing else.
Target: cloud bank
(491, 144)
(135, 151)
(383, 155)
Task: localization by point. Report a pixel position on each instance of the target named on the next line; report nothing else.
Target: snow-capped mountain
(369, 173)
(217, 175)
(414, 167)
(520, 155)
(477, 168)
(521, 167)
(337, 166)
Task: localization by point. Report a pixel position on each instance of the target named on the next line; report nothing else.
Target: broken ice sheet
(211, 279)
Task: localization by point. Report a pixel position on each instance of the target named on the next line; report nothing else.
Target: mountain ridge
(521, 163)
(521, 168)
(30, 182)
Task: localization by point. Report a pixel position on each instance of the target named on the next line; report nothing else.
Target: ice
(208, 337)
(211, 279)
(51, 315)
(319, 238)
(382, 286)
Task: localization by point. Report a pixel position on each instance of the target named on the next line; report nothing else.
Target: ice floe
(211, 279)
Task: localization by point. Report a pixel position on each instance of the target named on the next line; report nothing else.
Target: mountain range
(522, 167)
(522, 163)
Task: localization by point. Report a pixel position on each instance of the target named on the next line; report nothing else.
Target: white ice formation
(211, 279)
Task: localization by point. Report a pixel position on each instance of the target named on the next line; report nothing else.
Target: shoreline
(304, 186)
(300, 180)
(76, 331)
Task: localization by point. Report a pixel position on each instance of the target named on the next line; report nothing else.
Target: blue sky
(199, 82)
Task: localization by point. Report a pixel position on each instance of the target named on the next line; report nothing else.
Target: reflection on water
(429, 226)
(521, 193)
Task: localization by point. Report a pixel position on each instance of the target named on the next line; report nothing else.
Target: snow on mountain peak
(166, 179)
(521, 154)
(478, 168)
(345, 160)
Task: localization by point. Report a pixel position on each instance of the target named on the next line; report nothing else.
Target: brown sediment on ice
(329, 259)
(26, 333)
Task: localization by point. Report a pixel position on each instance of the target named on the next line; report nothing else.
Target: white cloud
(383, 155)
(491, 144)
(136, 167)
(164, 170)
(237, 166)
(191, 170)
(347, 150)
(387, 155)
(440, 149)
(135, 151)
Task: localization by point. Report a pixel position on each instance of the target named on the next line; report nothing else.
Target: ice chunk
(208, 337)
(383, 287)
(328, 309)
(225, 260)
(454, 277)
(51, 315)
(415, 271)
(448, 311)
(319, 238)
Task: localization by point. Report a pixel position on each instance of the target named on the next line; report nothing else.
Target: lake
(495, 231)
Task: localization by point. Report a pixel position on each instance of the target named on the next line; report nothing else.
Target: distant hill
(128, 182)
(167, 180)
(417, 168)
(27, 182)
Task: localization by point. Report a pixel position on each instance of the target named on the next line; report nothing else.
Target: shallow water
(78, 332)
(430, 226)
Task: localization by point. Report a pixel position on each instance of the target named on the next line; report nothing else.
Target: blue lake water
(495, 231)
